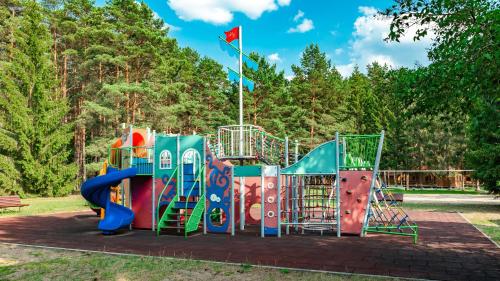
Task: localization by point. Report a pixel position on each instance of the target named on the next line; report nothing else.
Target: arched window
(191, 157)
(165, 160)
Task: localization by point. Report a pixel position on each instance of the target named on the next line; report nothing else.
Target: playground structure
(244, 176)
(175, 184)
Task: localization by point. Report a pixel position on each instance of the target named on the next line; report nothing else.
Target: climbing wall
(270, 200)
(354, 194)
(218, 195)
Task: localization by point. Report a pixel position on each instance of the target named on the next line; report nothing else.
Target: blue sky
(346, 31)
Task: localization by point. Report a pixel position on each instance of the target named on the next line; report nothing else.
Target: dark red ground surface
(449, 248)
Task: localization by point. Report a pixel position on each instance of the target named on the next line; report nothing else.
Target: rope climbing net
(310, 203)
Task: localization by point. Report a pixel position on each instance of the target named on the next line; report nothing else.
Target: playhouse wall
(252, 196)
(141, 191)
(218, 195)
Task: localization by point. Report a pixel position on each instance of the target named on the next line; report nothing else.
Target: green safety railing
(358, 151)
(140, 157)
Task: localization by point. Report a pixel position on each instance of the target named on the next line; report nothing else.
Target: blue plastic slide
(97, 191)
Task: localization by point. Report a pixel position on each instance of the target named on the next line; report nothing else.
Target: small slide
(97, 191)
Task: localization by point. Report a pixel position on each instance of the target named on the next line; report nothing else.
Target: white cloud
(284, 2)
(289, 77)
(368, 45)
(368, 11)
(305, 26)
(333, 32)
(221, 11)
(298, 16)
(339, 51)
(275, 57)
(170, 27)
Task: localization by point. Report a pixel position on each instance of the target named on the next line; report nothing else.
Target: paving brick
(449, 247)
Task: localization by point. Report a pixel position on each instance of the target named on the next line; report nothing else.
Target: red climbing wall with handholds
(354, 193)
(270, 200)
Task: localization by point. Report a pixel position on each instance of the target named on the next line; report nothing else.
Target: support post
(278, 201)
(153, 187)
(232, 201)
(373, 181)
(180, 169)
(204, 184)
(337, 183)
(242, 203)
(287, 209)
(262, 203)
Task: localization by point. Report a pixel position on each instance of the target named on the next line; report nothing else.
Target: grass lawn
(47, 205)
(26, 263)
(435, 191)
(484, 217)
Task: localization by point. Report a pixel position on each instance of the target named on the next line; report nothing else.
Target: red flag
(232, 34)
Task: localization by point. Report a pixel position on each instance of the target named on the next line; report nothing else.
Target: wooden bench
(398, 197)
(11, 201)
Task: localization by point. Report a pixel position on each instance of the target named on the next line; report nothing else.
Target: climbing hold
(349, 192)
(347, 211)
(364, 178)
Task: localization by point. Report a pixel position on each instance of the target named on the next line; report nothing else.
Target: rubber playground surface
(449, 248)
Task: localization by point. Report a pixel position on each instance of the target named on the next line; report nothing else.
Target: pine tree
(43, 142)
(13, 118)
(265, 105)
(317, 89)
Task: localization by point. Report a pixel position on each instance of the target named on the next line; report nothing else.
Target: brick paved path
(449, 247)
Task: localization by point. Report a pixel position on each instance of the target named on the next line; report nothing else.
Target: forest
(72, 72)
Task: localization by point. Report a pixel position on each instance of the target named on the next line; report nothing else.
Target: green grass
(484, 217)
(435, 191)
(19, 263)
(47, 205)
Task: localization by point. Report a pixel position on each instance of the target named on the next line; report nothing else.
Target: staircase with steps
(184, 213)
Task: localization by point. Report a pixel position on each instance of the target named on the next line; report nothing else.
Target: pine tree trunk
(312, 123)
(254, 109)
(11, 53)
(127, 104)
(80, 132)
(100, 72)
(64, 86)
(117, 118)
(134, 103)
(55, 54)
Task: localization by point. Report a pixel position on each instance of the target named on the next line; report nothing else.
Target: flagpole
(241, 88)
(242, 183)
